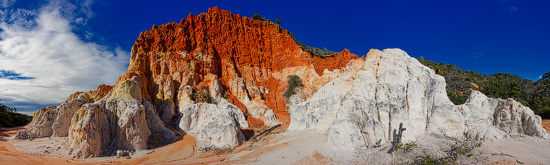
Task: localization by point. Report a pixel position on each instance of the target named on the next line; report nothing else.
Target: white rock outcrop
(491, 118)
(213, 125)
(124, 120)
(361, 108)
(52, 120)
(117, 121)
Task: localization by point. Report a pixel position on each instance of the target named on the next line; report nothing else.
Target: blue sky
(51, 48)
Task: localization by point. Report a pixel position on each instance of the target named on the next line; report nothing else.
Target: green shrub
(318, 52)
(407, 147)
(258, 17)
(377, 143)
(456, 98)
(460, 147)
(294, 81)
(429, 160)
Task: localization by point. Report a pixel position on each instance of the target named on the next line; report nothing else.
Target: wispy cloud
(509, 6)
(477, 53)
(41, 45)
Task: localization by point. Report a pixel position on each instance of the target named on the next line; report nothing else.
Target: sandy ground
(304, 147)
(9, 155)
(50, 151)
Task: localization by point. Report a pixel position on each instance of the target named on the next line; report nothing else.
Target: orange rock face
(246, 60)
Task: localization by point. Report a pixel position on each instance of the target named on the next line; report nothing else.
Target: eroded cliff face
(247, 61)
(210, 75)
(213, 75)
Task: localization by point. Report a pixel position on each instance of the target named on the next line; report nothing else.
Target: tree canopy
(10, 118)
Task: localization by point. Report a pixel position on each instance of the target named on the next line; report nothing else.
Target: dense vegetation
(10, 118)
(534, 94)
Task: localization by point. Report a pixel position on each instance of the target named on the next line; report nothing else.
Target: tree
(9, 117)
(258, 17)
(4, 108)
(278, 20)
(545, 76)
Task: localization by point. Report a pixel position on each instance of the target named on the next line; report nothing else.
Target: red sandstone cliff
(250, 59)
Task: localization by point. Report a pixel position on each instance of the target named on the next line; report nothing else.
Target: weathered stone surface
(214, 126)
(118, 121)
(53, 121)
(56, 120)
(65, 113)
(249, 60)
(157, 127)
(491, 118)
(358, 109)
(41, 124)
(89, 134)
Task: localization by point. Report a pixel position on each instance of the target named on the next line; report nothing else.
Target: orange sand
(546, 124)
(9, 155)
(177, 151)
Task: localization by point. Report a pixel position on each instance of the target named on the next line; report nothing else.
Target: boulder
(491, 118)
(213, 126)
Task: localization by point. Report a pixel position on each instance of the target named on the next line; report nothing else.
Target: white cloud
(7, 3)
(46, 49)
